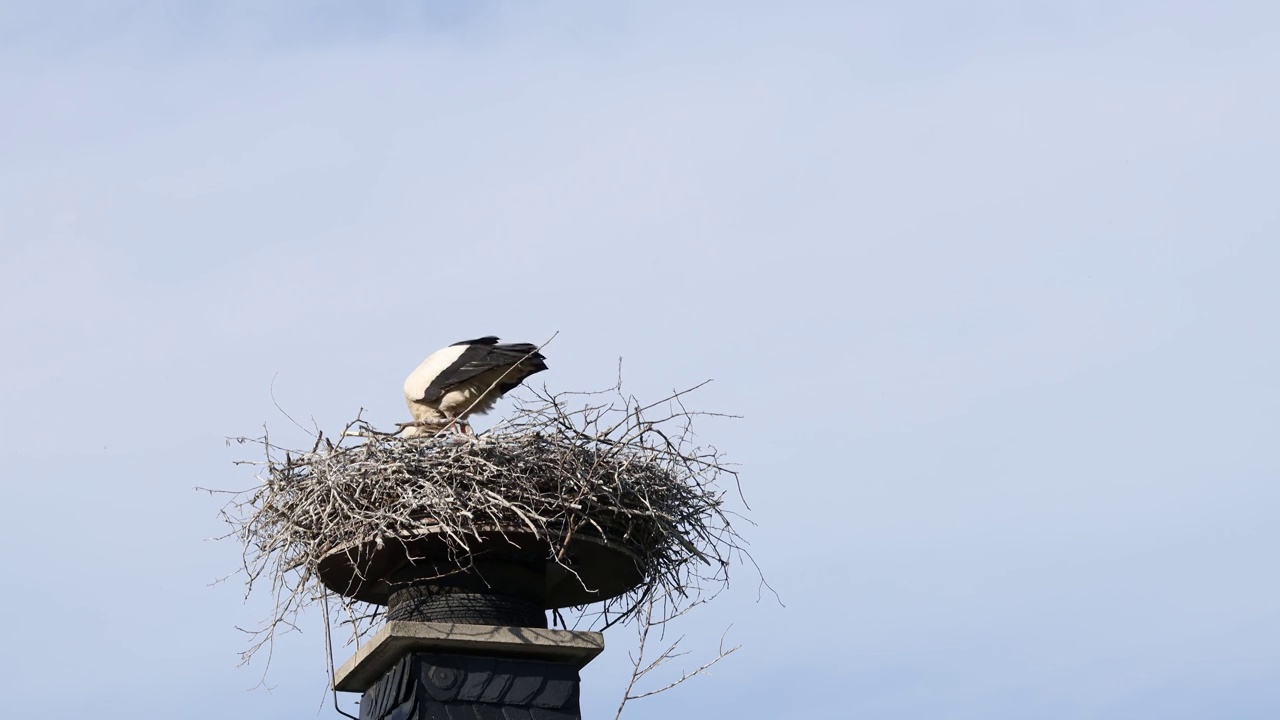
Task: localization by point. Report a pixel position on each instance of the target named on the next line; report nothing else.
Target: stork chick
(465, 379)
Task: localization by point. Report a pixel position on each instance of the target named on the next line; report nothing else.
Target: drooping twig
(646, 624)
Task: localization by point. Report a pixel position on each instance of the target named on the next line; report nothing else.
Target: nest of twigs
(600, 464)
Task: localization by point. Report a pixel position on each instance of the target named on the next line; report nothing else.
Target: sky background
(993, 284)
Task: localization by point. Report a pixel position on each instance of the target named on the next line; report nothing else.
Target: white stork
(466, 378)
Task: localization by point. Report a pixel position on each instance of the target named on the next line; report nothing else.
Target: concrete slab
(400, 637)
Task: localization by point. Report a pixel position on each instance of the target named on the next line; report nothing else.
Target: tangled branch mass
(563, 468)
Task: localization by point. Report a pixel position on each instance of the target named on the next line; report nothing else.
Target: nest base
(502, 562)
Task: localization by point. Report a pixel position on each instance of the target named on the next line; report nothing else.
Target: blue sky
(993, 285)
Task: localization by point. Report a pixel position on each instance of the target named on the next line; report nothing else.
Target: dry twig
(647, 624)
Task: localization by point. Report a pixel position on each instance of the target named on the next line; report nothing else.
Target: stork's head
(417, 431)
(435, 429)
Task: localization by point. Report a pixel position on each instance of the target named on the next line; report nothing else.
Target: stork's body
(464, 379)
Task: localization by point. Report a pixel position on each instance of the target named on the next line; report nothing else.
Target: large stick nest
(598, 463)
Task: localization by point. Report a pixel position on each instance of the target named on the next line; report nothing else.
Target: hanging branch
(646, 624)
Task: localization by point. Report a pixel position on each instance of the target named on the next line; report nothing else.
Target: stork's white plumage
(464, 379)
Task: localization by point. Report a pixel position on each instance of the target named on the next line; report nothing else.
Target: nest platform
(505, 560)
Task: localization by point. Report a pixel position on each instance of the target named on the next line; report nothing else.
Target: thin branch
(646, 623)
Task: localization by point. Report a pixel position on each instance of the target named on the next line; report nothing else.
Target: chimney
(474, 643)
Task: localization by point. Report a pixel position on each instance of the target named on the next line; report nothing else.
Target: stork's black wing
(479, 358)
(486, 340)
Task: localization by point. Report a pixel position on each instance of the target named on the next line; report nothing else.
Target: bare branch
(646, 624)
